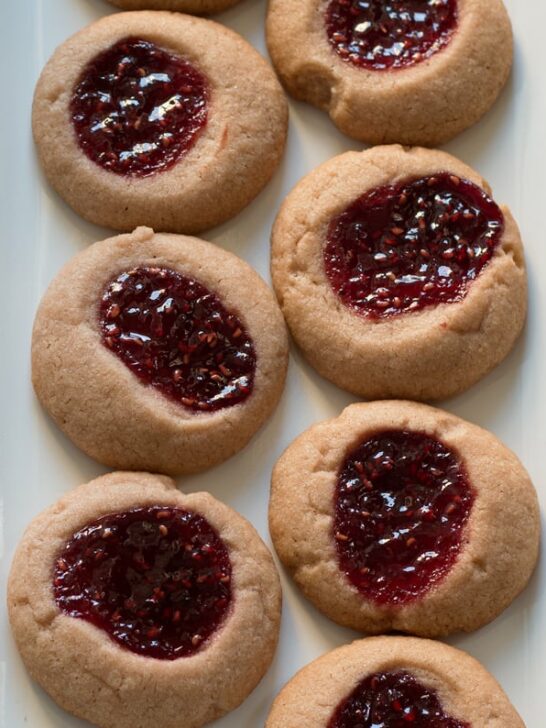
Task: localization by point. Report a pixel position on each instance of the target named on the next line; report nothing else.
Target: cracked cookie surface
(197, 7)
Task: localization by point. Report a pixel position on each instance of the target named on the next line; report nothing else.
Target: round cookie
(398, 516)
(110, 638)
(159, 352)
(395, 682)
(398, 275)
(199, 7)
(159, 119)
(413, 73)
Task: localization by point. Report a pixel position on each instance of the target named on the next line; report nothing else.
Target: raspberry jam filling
(389, 34)
(176, 336)
(156, 579)
(401, 504)
(136, 108)
(402, 248)
(392, 700)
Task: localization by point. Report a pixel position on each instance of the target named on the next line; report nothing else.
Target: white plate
(40, 233)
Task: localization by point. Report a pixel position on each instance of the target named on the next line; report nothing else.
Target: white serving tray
(38, 464)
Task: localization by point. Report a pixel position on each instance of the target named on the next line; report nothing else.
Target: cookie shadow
(96, 9)
(307, 130)
(76, 467)
(59, 222)
(247, 234)
(514, 634)
(515, 626)
(497, 128)
(497, 397)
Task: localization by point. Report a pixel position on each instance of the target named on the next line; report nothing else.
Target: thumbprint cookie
(133, 604)
(394, 682)
(407, 71)
(398, 516)
(159, 352)
(160, 119)
(398, 274)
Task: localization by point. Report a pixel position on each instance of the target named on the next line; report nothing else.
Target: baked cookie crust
(467, 691)
(500, 540)
(102, 406)
(89, 674)
(199, 7)
(232, 160)
(426, 104)
(431, 354)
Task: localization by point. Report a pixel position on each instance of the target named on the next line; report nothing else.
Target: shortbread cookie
(397, 273)
(160, 119)
(395, 682)
(199, 7)
(404, 71)
(159, 352)
(398, 516)
(136, 606)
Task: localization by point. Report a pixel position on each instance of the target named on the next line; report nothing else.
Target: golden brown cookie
(405, 71)
(398, 516)
(159, 352)
(395, 682)
(160, 119)
(199, 7)
(134, 605)
(398, 275)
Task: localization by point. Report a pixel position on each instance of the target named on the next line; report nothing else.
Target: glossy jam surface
(136, 108)
(401, 503)
(400, 249)
(156, 579)
(392, 700)
(176, 336)
(389, 34)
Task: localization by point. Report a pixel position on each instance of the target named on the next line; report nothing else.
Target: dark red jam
(156, 579)
(392, 700)
(401, 503)
(389, 34)
(422, 243)
(136, 108)
(176, 336)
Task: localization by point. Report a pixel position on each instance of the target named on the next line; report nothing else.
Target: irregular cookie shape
(108, 639)
(397, 273)
(398, 516)
(394, 682)
(407, 71)
(159, 351)
(199, 7)
(149, 118)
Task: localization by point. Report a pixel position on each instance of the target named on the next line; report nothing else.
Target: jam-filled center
(402, 500)
(136, 108)
(156, 579)
(389, 34)
(392, 700)
(402, 248)
(176, 336)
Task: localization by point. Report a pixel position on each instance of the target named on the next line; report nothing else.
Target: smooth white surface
(38, 464)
